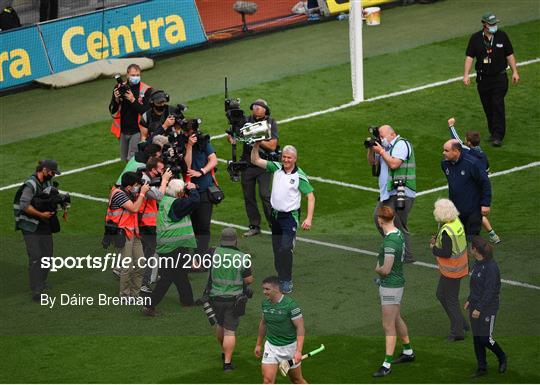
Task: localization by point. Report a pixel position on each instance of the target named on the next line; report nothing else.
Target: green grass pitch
(333, 286)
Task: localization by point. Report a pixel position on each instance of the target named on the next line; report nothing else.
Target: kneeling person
(283, 325)
(227, 293)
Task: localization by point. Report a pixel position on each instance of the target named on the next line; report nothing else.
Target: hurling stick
(285, 365)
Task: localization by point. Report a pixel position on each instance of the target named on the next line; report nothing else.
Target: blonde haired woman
(450, 248)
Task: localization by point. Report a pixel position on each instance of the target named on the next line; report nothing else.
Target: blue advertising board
(22, 57)
(147, 28)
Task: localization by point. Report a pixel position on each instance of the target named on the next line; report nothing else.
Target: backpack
(9, 19)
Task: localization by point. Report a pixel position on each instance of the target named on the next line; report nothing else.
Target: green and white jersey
(393, 245)
(287, 189)
(278, 317)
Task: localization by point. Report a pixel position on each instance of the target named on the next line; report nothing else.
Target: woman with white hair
(450, 248)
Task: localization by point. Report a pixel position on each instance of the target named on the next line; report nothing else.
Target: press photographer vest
(131, 166)
(227, 281)
(116, 125)
(170, 234)
(123, 218)
(407, 170)
(457, 265)
(23, 221)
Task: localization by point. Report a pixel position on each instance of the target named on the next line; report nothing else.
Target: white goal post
(355, 42)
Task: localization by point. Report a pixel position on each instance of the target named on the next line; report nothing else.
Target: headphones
(154, 95)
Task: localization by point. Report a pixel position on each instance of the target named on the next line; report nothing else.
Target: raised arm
(255, 157)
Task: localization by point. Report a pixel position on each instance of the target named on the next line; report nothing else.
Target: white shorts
(390, 295)
(275, 354)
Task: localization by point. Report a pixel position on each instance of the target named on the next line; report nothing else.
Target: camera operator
(129, 101)
(122, 212)
(36, 225)
(154, 173)
(228, 292)
(253, 175)
(174, 239)
(158, 117)
(200, 160)
(288, 185)
(139, 159)
(396, 158)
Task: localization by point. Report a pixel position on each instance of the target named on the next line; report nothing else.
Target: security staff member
(174, 239)
(227, 281)
(127, 109)
(483, 304)
(36, 225)
(469, 187)
(158, 117)
(450, 248)
(493, 51)
(288, 185)
(254, 175)
(397, 162)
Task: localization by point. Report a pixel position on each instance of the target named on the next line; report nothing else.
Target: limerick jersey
(278, 318)
(287, 188)
(393, 244)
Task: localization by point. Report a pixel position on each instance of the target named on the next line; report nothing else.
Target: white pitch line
(316, 113)
(498, 173)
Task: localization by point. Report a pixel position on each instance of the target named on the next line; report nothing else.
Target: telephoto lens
(210, 313)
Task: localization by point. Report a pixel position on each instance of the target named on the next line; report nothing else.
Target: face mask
(159, 108)
(135, 190)
(48, 177)
(134, 79)
(492, 29)
(384, 142)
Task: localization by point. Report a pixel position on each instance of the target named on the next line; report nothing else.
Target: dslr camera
(373, 138)
(120, 85)
(51, 199)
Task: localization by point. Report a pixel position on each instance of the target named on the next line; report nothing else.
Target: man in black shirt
(253, 174)
(158, 118)
(493, 51)
(127, 108)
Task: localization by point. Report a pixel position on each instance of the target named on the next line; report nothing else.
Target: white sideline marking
(332, 109)
(315, 242)
(498, 173)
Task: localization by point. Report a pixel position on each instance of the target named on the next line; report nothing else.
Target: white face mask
(134, 79)
(492, 29)
(385, 143)
(136, 190)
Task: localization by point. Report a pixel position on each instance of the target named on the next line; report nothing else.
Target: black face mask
(160, 108)
(48, 177)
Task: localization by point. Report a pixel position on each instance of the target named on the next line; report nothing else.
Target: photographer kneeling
(228, 292)
(174, 239)
(397, 178)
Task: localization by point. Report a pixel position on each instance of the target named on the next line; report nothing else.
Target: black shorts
(224, 311)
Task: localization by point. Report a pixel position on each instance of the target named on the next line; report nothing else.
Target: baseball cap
(490, 18)
(50, 165)
(159, 96)
(262, 103)
(228, 237)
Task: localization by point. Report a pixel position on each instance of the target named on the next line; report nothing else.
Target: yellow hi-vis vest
(457, 265)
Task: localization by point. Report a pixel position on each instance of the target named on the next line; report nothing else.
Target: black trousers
(200, 219)
(448, 296)
(472, 224)
(250, 177)
(482, 329)
(284, 228)
(38, 246)
(492, 91)
(149, 243)
(48, 10)
(173, 274)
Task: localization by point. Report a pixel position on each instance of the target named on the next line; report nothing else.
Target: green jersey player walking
(390, 269)
(283, 326)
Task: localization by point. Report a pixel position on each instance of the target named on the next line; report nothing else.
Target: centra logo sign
(124, 39)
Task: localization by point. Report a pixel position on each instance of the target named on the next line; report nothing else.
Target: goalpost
(355, 42)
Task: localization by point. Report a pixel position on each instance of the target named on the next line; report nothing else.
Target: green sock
(407, 346)
(388, 359)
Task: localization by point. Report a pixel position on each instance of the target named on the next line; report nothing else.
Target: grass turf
(334, 287)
